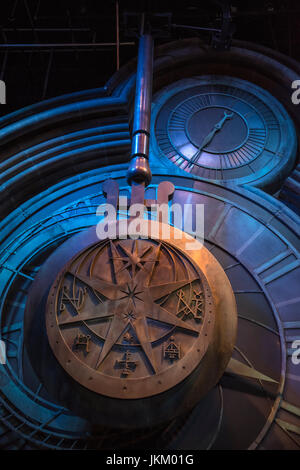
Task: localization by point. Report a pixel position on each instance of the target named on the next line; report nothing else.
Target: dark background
(35, 69)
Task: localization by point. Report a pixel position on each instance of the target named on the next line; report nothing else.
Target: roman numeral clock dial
(225, 129)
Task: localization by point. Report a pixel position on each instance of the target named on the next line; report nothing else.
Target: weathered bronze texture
(143, 289)
(156, 326)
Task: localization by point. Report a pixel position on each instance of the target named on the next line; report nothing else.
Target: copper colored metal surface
(125, 300)
(143, 327)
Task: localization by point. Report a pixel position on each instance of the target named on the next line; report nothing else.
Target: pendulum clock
(136, 330)
(118, 342)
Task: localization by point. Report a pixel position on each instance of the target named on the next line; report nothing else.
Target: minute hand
(216, 128)
(211, 135)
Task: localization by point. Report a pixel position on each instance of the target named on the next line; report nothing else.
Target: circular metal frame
(270, 155)
(174, 374)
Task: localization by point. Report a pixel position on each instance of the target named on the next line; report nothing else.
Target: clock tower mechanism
(132, 324)
(117, 342)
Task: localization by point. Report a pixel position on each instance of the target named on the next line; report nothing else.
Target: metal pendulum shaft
(139, 173)
(139, 170)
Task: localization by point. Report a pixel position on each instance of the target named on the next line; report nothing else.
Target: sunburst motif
(133, 260)
(133, 304)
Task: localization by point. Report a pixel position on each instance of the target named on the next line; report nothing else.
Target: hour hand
(238, 368)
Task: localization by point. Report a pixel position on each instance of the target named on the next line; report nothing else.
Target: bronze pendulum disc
(138, 330)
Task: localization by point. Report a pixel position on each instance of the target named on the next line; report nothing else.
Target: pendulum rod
(139, 170)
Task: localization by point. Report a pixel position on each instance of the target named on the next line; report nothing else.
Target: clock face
(223, 128)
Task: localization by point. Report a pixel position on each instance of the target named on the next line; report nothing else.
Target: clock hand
(204, 143)
(238, 370)
(220, 124)
(211, 135)
(236, 367)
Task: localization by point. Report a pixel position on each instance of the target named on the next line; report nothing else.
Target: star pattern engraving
(132, 303)
(133, 260)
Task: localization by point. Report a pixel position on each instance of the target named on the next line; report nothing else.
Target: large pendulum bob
(130, 333)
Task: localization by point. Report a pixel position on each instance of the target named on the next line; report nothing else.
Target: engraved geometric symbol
(137, 306)
(75, 301)
(172, 350)
(192, 308)
(82, 342)
(128, 337)
(127, 364)
(133, 259)
(129, 315)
